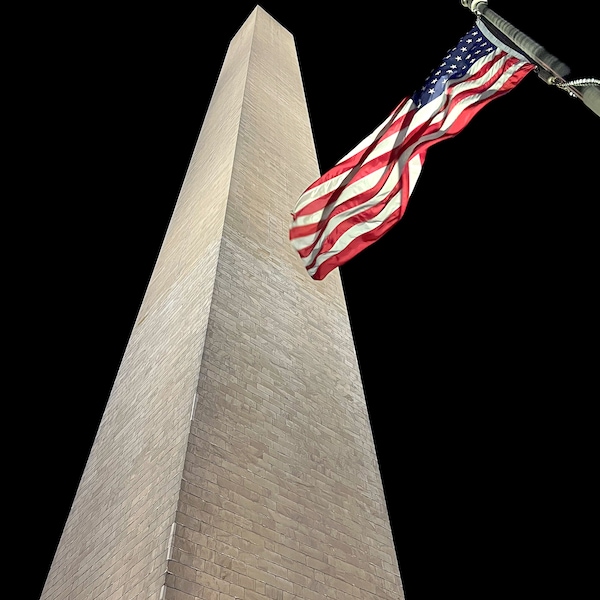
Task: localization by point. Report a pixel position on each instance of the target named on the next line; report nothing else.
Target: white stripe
(369, 181)
(414, 170)
(360, 229)
(357, 210)
(364, 184)
(354, 189)
(371, 138)
(424, 115)
(330, 185)
(477, 98)
(466, 84)
(356, 231)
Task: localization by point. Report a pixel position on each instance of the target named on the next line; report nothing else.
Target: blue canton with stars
(455, 64)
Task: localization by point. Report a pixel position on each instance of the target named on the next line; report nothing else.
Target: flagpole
(550, 69)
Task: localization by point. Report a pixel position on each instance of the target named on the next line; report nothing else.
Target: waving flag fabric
(353, 204)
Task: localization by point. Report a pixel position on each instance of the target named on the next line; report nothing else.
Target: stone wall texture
(235, 458)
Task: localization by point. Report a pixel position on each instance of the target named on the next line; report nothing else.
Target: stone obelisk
(235, 458)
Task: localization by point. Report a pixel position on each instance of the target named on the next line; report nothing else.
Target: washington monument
(235, 458)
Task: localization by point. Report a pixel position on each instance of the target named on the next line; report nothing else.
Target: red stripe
(354, 201)
(358, 166)
(356, 159)
(331, 198)
(365, 216)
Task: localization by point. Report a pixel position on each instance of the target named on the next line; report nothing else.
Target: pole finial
(473, 5)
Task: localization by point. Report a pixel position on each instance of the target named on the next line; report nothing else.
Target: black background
(475, 318)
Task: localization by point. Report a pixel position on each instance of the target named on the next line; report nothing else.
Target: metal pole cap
(473, 5)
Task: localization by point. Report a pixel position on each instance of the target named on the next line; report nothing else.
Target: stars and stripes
(357, 201)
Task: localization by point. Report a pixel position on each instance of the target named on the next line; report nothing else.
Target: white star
(464, 49)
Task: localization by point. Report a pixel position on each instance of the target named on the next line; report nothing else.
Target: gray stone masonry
(235, 458)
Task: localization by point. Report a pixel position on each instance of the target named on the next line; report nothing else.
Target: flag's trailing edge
(365, 194)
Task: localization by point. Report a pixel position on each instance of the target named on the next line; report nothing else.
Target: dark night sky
(475, 318)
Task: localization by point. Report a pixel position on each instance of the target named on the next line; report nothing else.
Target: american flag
(357, 201)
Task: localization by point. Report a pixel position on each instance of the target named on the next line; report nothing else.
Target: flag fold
(366, 192)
